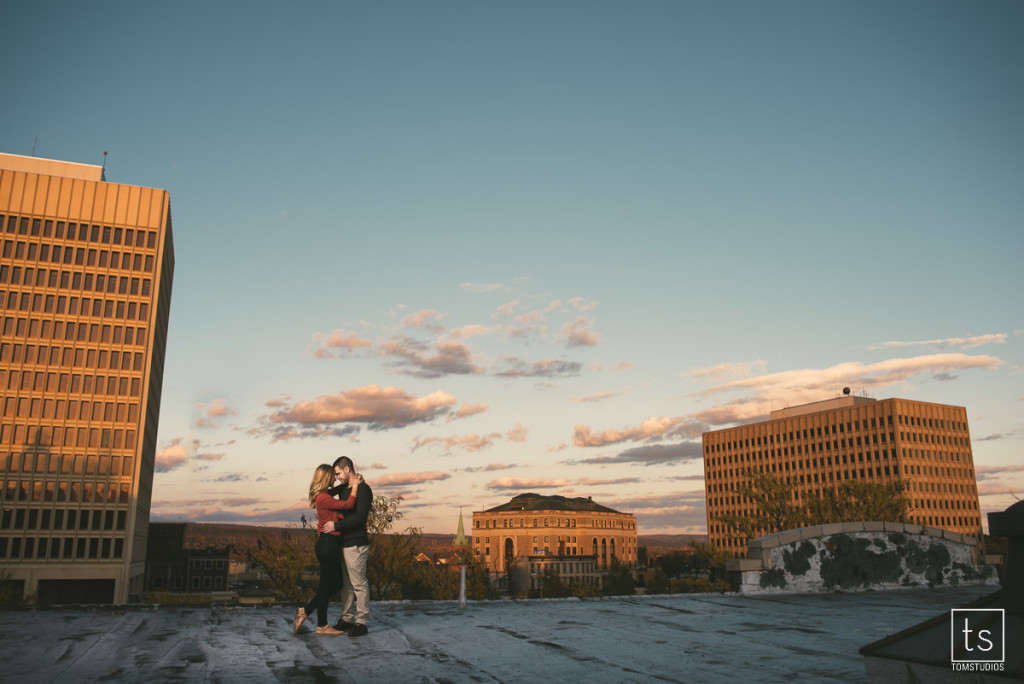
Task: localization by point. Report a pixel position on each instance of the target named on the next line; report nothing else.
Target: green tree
(856, 500)
(708, 558)
(674, 564)
(619, 581)
(658, 582)
(551, 585)
(283, 559)
(774, 510)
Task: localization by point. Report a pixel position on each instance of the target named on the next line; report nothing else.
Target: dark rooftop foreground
(678, 638)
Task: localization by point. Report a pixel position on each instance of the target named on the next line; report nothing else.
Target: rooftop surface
(675, 638)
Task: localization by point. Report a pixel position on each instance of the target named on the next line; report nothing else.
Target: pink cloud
(946, 343)
(589, 398)
(652, 428)
(471, 442)
(345, 340)
(468, 331)
(376, 407)
(467, 410)
(579, 333)
(452, 358)
(208, 413)
(405, 479)
(172, 456)
(527, 483)
(517, 434)
(600, 366)
(427, 319)
(741, 369)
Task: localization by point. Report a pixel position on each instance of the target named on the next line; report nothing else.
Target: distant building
(460, 545)
(172, 566)
(820, 445)
(85, 289)
(576, 536)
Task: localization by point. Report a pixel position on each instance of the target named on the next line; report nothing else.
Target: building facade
(820, 445)
(174, 566)
(85, 287)
(576, 536)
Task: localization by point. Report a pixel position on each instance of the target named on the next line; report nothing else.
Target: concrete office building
(577, 536)
(820, 445)
(85, 289)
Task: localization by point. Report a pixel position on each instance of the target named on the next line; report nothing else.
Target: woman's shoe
(300, 617)
(327, 630)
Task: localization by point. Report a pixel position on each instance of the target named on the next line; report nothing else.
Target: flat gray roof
(676, 638)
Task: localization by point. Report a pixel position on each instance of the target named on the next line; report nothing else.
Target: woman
(328, 546)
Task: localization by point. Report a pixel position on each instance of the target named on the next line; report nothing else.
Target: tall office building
(820, 445)
(85, 289)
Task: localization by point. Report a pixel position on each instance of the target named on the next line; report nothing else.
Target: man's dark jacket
(353, 525)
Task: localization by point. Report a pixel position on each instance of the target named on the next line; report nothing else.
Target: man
(355, 550)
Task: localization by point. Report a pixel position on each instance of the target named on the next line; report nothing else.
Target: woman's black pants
(328, 552)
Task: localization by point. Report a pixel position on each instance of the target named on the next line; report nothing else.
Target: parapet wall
(857, 557)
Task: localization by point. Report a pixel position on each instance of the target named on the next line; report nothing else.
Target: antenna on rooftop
(104, 160)
(34, 145)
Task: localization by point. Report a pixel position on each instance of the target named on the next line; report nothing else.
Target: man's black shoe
(344, 625)
(357, 630)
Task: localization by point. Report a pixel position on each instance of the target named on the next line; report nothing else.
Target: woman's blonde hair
(323, 477)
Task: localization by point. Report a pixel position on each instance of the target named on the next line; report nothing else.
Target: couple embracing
(342, 502)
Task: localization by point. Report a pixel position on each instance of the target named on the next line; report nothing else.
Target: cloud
(527, 483)
(740, 369)
(376, 407)
(208, 413)
(468, 331)
(482, 288)
(452, 358)
(590, 398)
(547, 368)
(996, 472)
(516, 434)
(342, 339)
(992, 438)
(946, 343)
(489, 467)
(426, 319)
(652, 428)
(539, 315)
(471, 442)
(209, 456)
(406, 479)
(172, 456)
(467, 410)
(600, 366)
(581, 304)
(794, 387)
(654, 454)
(578, 333)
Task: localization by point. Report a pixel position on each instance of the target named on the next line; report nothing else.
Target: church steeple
(460, 536)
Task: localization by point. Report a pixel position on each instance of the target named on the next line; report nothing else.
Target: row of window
(75, 280)
(61, 304)
(598, 523)
(72, 383)
(215, 582)
(41, 548)
(62, 519)
(71, 409)
(46, 329)
(79, 464)
(69, 437)
(83, 232)
(716, 445)
(75, 492)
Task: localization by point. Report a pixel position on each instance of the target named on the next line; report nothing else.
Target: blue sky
(489, 248)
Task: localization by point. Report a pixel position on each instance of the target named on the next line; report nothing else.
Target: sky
(489, 248)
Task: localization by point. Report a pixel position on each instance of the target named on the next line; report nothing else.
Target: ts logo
(977, 635)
